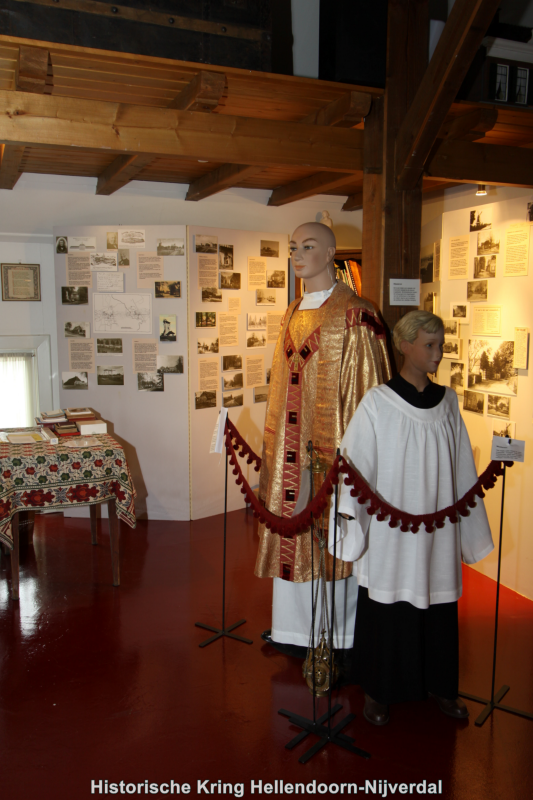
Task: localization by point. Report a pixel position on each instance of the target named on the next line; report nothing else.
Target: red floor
(98, 683)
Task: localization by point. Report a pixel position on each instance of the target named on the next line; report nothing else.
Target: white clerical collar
(322, 295)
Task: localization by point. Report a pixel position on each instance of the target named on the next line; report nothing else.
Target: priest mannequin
(331, 349)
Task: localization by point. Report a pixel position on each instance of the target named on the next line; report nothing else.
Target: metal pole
(497, 594)
(224, 557)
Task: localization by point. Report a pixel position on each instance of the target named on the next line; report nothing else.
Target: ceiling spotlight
(481, 191)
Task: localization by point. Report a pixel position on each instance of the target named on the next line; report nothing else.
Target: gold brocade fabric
(325, 360)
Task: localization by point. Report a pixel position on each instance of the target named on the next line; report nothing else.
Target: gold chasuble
(325, 360)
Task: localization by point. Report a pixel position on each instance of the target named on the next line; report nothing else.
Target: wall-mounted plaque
(21, 282)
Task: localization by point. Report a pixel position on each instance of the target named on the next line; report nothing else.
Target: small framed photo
(21, 282)
(452, 348)
(460, 312)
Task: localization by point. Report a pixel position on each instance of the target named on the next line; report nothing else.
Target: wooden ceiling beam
(120, 172)
(470, 126)
(10, 161)
(224, 177)
(345, 112)
(307, 187)
(203, 93)
(354, 202)
(462, 35)
(30, 119)
(32, 69)
(468, 162)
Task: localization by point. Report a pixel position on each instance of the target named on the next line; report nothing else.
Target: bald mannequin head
(312, 253)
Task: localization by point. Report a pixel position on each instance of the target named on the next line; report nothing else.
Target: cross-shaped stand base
(222, 632)
(326, 734)
(490, 705)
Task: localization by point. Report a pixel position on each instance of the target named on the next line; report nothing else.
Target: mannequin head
(312, 248)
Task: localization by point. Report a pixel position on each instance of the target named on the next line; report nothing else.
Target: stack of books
(86, 421)
(66, 429)
(51, 418)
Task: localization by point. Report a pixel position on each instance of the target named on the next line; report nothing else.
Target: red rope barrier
(289, 527)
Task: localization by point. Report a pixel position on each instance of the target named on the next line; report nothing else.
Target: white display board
(152, 426)
(227, 254)
(493, 292)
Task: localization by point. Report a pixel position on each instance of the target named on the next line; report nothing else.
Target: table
(41, 475)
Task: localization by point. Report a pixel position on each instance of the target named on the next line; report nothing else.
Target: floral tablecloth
(41, 475)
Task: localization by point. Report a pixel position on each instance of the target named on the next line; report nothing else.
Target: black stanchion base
(222, 632)
(491, 705)
(326, 736)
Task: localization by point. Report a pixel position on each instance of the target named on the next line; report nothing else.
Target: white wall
(448, 213)
(20, 318)
(38, 203)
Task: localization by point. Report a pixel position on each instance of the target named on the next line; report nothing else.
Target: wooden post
(94, 525)
(391, 217)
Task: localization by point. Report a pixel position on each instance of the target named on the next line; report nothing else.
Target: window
(502, 83)
(521, 85)
(18, 395)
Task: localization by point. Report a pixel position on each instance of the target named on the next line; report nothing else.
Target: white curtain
(16, 391)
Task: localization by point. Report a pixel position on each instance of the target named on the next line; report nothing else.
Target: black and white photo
(81, 244)
(477, 291)
(487, 242)
(205, 346)
(109, 347)
(452, 348)
(170, 364)
(232, 399)
(460, 312)
(78, 330)
(205, 243)
(211, 294)
(233, 381)
(499, 406)
(75, 380)
(205, 400)
(112, 240)
(265, 297)
(474, 401)
(428, 301)
(131, 237)
(276, 278)
(170, 247)
(269, 249)
(230, 280)
(480, 219)
(110, 376)
(257, 322)
(103, 261)
(484, 267)
(167, 327)
(504, 427)
(260, 394)
(254, 340)
(123, 257)
(74, 295)
(426, 264)
(231, 363)
(457, 376)
(225, 256)
(490, 366)
(150, 382)
(61, 244)
(167, 289)
(451, 328)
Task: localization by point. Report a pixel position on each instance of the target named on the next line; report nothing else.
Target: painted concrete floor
(109, 684)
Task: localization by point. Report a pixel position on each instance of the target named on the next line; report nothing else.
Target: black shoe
(293, 650)
(452, 708)
(374, 712)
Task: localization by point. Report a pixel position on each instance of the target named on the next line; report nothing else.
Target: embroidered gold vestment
(324, 362)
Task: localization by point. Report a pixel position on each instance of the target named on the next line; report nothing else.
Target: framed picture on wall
(21, 282)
